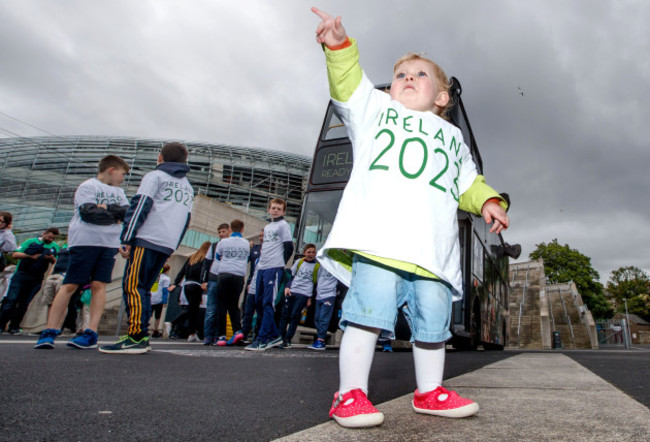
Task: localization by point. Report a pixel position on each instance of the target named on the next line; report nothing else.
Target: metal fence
(613, 334)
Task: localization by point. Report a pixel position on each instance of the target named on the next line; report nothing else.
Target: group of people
(219, 270)
(145, 231)
(35, 256)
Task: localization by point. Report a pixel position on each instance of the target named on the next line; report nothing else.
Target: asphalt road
(186, 391)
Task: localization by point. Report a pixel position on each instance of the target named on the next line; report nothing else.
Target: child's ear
(442, 99)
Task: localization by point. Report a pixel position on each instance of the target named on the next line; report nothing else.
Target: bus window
(319, 210)
(335, 127)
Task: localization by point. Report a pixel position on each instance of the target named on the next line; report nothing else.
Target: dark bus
(482, 316)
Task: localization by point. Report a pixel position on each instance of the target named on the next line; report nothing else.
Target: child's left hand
(493, 212)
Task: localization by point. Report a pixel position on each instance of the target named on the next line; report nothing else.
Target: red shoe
(354, 410)
(442, 402)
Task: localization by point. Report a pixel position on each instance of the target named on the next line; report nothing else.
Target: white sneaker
(192, 338)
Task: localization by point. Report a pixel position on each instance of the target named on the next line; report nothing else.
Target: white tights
(358, 349)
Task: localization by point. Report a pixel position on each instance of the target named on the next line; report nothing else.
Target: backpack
(314, 276)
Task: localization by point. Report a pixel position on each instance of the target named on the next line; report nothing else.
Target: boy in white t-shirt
(411, 163)
(277, 249)
(210, 276)
(298, 293)
(154, 226)
(93, 241)
(326, 287)
(233, 253)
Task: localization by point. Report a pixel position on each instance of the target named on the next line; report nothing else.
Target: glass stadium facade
(39, 175)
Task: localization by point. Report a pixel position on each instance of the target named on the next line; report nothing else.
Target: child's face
(416, 87)
(310, 254)
(115, 176)
(276, 210)
(223, 233)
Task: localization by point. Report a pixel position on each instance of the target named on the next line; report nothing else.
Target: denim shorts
(376, 292)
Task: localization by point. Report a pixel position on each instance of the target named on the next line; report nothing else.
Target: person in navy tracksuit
(277, 249)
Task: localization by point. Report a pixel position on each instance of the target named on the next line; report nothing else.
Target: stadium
(39, 175)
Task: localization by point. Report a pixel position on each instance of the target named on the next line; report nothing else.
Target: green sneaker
(128, 345)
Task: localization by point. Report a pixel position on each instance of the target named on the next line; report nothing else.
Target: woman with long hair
(191, 271)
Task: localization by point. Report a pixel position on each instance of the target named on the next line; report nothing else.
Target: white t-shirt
(7, 241)
(234, 252)
(325, 285)
(81, 233)
(409, 170)
(172, 202)
(276, 233)
(303, 277)
(212, 254)
(157, 296)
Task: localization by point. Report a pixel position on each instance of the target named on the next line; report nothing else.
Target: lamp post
(627, 319)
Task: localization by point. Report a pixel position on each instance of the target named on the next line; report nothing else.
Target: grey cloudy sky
(572, 152)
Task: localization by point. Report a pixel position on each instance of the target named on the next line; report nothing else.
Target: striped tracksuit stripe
(142, 269)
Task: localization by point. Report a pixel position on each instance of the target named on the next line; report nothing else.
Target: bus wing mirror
(505, 249)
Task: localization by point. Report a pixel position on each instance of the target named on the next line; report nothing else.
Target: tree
(564, 264)
(633, 284)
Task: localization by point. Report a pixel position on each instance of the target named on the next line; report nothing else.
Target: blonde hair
(443, 80)
(199, 255)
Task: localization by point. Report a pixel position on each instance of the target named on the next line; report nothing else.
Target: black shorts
(156, 310)
(89, 263)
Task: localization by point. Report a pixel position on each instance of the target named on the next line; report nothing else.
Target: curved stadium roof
(39, 175)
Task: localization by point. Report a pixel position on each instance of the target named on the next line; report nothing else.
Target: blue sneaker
(277, 342)
(85, 341)
(128, 345)
(387, 348)
(256, 346)
(46, 341)
(318, 345)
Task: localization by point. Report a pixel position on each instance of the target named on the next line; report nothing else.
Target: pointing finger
(322, 14)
